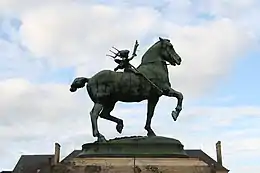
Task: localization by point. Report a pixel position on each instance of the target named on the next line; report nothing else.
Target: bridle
(162, 47)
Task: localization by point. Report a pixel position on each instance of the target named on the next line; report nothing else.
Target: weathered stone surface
(131, 165)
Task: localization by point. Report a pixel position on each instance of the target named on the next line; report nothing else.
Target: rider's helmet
(123, 53)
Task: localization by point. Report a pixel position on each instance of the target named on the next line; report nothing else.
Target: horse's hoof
(175, 115)
(101, 138)
(119, 127)
(150, 134)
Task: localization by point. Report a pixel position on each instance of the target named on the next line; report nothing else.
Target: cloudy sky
(44, 45)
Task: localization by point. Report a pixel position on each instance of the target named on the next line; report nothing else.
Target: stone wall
(131, 165)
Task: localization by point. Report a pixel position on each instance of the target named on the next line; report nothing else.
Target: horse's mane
(150, 52)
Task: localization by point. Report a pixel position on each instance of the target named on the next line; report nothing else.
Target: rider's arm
(118, 61)
(132, 57)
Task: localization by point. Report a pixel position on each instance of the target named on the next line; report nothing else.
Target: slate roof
(206, 158)
(32, 163)
(72, 155)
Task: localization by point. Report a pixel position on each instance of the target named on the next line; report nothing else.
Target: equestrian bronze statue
(150, 82)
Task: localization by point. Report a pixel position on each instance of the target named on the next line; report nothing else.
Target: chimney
(56, 154)
(50, 161)
(219, 155)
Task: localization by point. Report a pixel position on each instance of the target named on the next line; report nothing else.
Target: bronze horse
(107, 87)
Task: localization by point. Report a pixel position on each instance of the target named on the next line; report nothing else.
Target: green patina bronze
(136, 146)
(149, 81)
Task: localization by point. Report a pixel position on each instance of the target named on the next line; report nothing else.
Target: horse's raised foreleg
(173, 93)
(152, 102)
(94, 116)
(106, 115)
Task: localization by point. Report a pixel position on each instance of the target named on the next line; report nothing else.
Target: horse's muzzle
(72, 89)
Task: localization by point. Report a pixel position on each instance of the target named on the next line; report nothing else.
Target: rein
(155, 62)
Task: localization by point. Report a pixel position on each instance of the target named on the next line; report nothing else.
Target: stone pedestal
(133, 165)
(133, 155)
(136, 146)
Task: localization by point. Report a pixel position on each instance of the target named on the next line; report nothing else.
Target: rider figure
(123, 63)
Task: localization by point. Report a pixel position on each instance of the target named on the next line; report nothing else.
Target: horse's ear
(160, 38)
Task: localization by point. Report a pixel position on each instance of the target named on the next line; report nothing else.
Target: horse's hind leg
(152, 102)
(97, 108)
(107, 108)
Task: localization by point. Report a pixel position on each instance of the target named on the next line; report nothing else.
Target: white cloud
(79, 34)
(244, 13)
(74, 33)
(232, 8)
(250, 168)
(17, 62)
(222, 116)
(209, 52)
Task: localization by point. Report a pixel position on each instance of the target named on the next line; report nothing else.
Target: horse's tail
(79, 82)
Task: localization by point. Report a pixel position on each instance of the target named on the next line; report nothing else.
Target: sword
(134, 51)
(153, 84)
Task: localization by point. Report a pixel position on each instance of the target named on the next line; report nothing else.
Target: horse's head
(168, 53)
